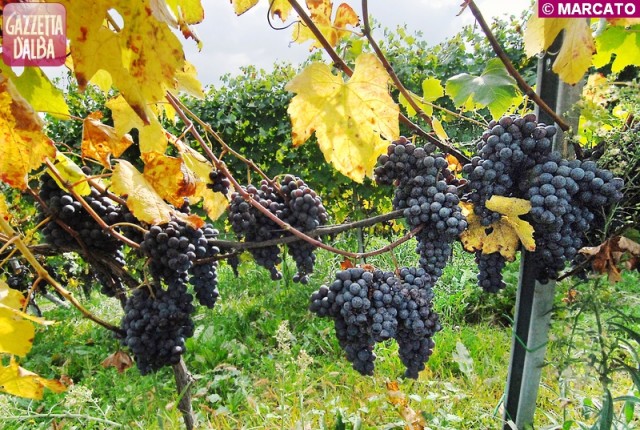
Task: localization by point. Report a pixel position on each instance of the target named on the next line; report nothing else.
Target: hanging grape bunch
(428, 192)
(373, 306)
(515, 159)
(157, 317)
(295, 203)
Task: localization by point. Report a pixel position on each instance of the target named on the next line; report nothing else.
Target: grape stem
(339, 62)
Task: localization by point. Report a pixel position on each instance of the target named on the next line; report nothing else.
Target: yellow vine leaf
(503, 236)
(575, 54)
(320, 12)
(169, 176)
(439, 129)
(24, 146)
(16, 333)
(241, 6)
(71, 173)
(413, 420)
(100, 141)
(188, 81)
(143, 57)
(151, 137)
(20, 382)
(432, 90)
(280, 8)
(38, 91)
(213, 203)
(186, 12)
(143, 200)
(351, 119)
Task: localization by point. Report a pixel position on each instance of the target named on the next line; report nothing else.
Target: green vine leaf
(623, 43)
(493, 89)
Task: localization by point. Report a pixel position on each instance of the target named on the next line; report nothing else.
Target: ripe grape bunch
(158, 316)
(62, 206)
(428, 192)
(303, 210)
(294, 203)
(374, 306)
(515, 159)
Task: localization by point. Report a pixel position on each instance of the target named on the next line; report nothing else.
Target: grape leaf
(23, 383)
(241, 6)
(16, 333)
(38, 91)
(169, 176)
(143, 200)
(100, 141)
(119, 359)
(320, 12)
(574, 56)
(143, 57)
(431, 91)
(504, 235)
(612, 254)
(493, 89)
(151, 137)
(188, 82)
(622, 42)
(350, 119)
(412, 419)
(280, 8)
(438, 129)
(24, 146)
(71, 173)
(187, 12)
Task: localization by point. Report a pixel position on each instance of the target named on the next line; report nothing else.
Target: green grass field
(262, 361)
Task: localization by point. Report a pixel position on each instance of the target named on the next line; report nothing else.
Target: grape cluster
(516, 160)
(155, 324)
(204, 277)
(157, 320)
(303, 210)
(294, 203)
(490, 271)
(427, 191)
(61, 205)
(565, 196)
(253, 226)
(219, 182)
(508, 148)
(374, 306)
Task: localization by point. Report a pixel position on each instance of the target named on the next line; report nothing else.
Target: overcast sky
(232, 41)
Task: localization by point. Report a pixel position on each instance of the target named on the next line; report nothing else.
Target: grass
(262, 361)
